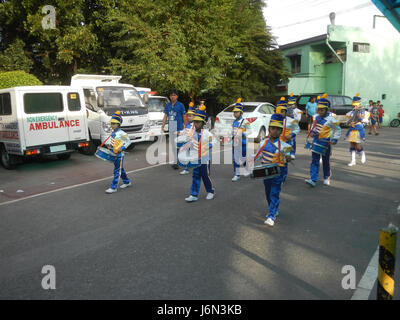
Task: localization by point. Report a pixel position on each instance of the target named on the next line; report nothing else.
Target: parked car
(41, 120)
(156, 105)
(340, 105)
(257, 113)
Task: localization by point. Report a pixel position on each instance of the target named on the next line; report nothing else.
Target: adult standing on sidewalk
(311, 110)
(174, 112)
(374, 118)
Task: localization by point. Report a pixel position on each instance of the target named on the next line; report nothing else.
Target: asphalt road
(146, 242)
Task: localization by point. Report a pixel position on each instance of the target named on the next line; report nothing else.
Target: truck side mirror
(145, 98)
(100, 101)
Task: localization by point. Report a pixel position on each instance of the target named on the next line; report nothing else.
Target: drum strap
(105, 141)
(261, 149)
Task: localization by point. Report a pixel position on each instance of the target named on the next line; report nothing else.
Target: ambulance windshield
(120, 97)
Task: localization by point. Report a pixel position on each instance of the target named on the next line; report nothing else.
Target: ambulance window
(74, 103)
(43, 102)
(5, 104)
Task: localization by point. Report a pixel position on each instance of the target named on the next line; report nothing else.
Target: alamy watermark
(49, 20)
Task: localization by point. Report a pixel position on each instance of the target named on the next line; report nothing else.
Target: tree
(14, 58)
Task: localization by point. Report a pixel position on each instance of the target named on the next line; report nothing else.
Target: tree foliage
(196, 46)
(11, 79)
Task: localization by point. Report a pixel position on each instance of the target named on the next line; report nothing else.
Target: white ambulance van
(104, 95)
(41, 120)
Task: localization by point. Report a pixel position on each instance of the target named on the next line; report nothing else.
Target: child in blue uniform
(201, 141)
(289, 132)
(240, 129)
(326, 132)
(295, 114)
(118, 143)
(274, 151)
(357, 119)
(189, 128)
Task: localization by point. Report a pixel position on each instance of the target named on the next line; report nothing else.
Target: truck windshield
(157, 104)
(120, 97)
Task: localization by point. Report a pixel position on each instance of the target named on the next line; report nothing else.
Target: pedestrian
(189, 129)
(311, 110)
(294, 113)
(275, 154)
(240, 130)
(174, 112)
(370, 105)
(326, 132)
(118, 143)
(357, 119)
(289, 132)
(381, 112)
(374, 114)
(201, 143)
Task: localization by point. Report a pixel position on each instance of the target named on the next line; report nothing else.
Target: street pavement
(146, 242)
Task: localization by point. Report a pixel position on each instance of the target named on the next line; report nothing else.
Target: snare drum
(268, 171)
(105, 154)
(188, 158)
(319, 148)
(308, 145)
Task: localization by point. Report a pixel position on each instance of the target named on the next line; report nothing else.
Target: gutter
(341, 61)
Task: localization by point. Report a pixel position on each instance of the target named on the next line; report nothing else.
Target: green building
(345, 61)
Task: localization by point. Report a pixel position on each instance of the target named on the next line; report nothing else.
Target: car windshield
(120, 97)
(246, 108)
(157, 104)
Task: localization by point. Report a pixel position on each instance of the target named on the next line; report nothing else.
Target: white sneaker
(327, 182)
(210, 196)
(292, 156)
(363, 158)
(353, 163)
(110, 190)
(184, 172)
(236, 178)
(269, 222)
(191, 199)
(125, 185)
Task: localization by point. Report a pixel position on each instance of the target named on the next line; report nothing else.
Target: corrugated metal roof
(391, 10)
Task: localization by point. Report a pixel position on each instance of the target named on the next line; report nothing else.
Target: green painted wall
(371, 74)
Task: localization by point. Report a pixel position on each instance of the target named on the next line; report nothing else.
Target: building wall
(372, 74)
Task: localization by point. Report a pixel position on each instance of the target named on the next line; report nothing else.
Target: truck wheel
(395, 123)
(63, 156)
(89, 150)
(8, 161)
(261, 135)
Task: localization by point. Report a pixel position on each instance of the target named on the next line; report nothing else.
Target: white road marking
(367, 281)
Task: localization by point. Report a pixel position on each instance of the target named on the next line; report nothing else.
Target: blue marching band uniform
(198, 154)
(274, 151)
(240, 130)
(118, 143)
(295, 114)
(326, 131)
(357, 120)
(290, 129)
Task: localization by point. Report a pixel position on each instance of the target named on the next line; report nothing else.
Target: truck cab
(104, 95)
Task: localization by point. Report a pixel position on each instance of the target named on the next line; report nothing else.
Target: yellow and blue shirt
(326, 129)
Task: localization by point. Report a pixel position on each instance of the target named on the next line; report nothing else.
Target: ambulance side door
(76, 116)
(94, 120)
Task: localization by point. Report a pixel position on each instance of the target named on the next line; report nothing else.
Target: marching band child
(201, 141)
(189, 128)
(294, 113)
(274, 151)
(357, 119)
(240, 128)
(325, 131)
(119, 142)
(289, 132)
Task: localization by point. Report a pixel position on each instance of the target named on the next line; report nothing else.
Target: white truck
(104, 95)
(41, 120)
(156, 106)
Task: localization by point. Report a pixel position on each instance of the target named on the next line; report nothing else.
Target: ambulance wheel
(261, 135)
(8, 161)
(64, 156)
(89, 150)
